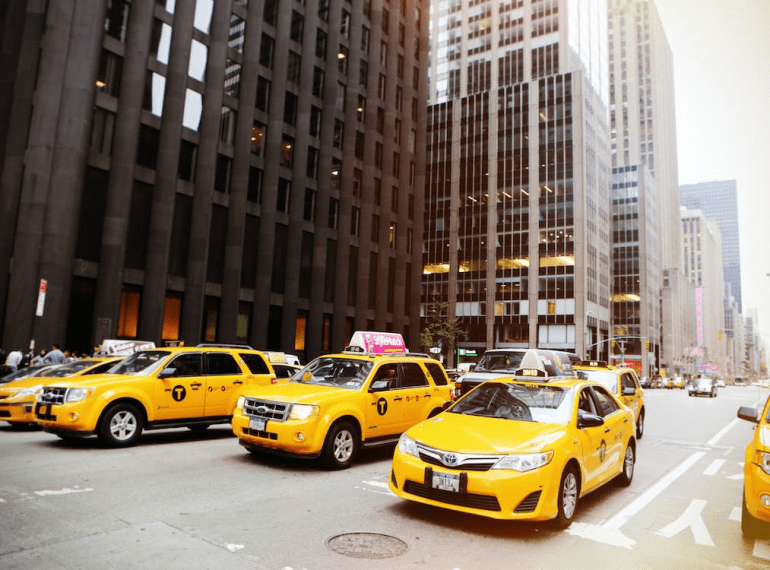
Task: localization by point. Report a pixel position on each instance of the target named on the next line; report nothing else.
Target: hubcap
(569, 495)
(629, 464)
(343, 446)
(123, 425)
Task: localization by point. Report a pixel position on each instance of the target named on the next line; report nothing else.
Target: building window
(358, 176)
(172, 314)
(102, 129)
(381, 84)
(203, 11)
(283, 199)
(359, 145)
(262, 101)
(318, 82)
(287, 151)
(361, 109)
(380, 126)
(266, 49)
(396, 164)
(320, 44)
(378, 155)
(110, 71)
(227, 121)
(392, 235)
(323, 10)
(384, 53)
(334, 213)
(336, 173)
(315, 122)
(341, 96)
(116, 19)
(394, 199)
(147, 149)
(280, 251)
(345, 24)
(339, 133)
(377, 191)
(198, 58)
(355, 219)
(128, 318)
(312, 163)
(160, 41)
(257, 138)
(270, 12)
(244, 322)
(290, 108)
(188, 158)
(254, 193)
(309, 207)
(300, 332)
(297, 26)
(363, 74)
(385, 20)
(222, 174)
(342, 60)
(375, 236)
(399, 98)
(364, 39)
(294, 68)
(237, 33)
(400, 66)
(210, 318)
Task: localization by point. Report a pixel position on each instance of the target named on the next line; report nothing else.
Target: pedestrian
(56, 356)
(38, 360)
(14, 359)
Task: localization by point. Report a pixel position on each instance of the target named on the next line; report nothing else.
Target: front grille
(53, 395)
(468, 500)
(462, 461)
(277, 411)
(529, 504)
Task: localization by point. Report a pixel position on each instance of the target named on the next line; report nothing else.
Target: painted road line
(691, 518)
(735, 514)
(723, 431)
(713, 469)
(62, 492)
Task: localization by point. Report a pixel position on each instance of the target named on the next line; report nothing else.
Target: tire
(121, 425)
(640, 425)
(567, 499)
(751, 526)
(627, 471)
(341, 446)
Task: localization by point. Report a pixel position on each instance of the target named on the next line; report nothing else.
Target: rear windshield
(499, 361)
(607, 379)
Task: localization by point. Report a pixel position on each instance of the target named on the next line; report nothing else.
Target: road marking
(713, 469)
(234, 547)
(735, 514)
(62, 492)
(690, 518)
(723, 431)
(761, 549)
(609, 532)
(378, 485)
(736, 477)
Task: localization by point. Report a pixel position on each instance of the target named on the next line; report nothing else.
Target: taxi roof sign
(377, 342)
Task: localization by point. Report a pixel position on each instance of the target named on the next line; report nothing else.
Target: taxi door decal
(178, 392)
(382, 406)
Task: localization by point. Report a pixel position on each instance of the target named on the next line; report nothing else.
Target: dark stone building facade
(238, 171)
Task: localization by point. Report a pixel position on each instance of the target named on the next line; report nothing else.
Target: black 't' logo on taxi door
(178, 393)
(382, 406)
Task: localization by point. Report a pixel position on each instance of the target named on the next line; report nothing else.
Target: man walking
(56, 356)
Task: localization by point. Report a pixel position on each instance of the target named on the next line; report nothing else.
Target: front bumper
(295, 438)
(499, 494)
(71, 418)
(19, 411)
(757, 485)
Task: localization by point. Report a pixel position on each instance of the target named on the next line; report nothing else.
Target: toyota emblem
(450, 459)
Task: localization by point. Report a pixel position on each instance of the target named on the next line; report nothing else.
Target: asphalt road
(183, 500)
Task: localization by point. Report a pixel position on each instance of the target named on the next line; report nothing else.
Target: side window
(388, 372)
(604, 402)
(413, 376)
(437, 373)
(628, 381)
(255, 363)
(186, 365)
(218, 363)
(586, 402)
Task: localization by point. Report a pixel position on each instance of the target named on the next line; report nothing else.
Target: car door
(416, 393)
(593, 443)
(385, 414)
(179, 392)
(616, 431)
(224, 383)
(628, 380)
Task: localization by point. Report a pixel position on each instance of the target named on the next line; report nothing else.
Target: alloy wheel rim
(629, 463)
(123, 425)
(569, 495)
(343, 446)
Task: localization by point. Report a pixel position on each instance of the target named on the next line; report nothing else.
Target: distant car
(720, 383)
(703, 386)
(285, 370)
(676, 382)
(755, 517)
(645, 382)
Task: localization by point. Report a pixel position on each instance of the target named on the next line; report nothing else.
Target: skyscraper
(517, 237)
(718, 201)
(229, 171)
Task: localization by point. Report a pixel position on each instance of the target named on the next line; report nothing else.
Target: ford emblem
(262, 409)
(450, 459)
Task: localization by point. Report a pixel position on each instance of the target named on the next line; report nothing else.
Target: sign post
(41, 297)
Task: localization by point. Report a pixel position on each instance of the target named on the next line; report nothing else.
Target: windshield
(333, 371)
(68, 369)
(499, 361)
(543, 404)
(25, 373)
(607, 379)
(141, 363)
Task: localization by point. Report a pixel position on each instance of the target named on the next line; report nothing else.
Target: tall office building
(231, 171)
(719, 201)
(517, 226)
(648, 314)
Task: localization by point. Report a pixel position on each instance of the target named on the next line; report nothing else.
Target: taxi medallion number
(257, 424)
(446, 482)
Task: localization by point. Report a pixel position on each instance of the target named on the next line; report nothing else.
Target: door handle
(196, 385)
(237, 381)
(427, 395)
(607, 430)
(397, 398)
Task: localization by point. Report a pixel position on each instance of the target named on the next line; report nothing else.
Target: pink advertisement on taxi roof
(381, 342)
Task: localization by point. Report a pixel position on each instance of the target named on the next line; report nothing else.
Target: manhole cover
(367, 545)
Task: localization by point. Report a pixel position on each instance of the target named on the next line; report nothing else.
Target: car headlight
(524, 461)
(302, 411)
(30, 391)
(77, 394)
(240, 402)
(407, 445)
(764, 461)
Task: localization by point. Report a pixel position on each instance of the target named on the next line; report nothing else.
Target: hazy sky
(721, 54)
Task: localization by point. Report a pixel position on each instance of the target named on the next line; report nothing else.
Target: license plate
(257, 424)
(446, 482)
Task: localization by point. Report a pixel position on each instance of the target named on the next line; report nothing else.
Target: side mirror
(628, 391)
(379, 386)
(749, 414)
(588, 420)
(167, 372)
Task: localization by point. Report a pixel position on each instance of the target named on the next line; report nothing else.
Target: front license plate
(446, 482)
(257, 424)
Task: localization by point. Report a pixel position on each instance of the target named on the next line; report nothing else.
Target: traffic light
(647, 344)
(613, 344)
(719, 335)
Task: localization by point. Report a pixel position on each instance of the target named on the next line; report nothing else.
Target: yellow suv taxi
(365, 396)
(17, 398)
(521, 448)
(755, 519)
(623, 384)
(190, 387)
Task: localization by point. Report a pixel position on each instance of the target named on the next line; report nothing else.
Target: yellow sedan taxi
(526, 449)
(366, 396)
(755, 519)
(17, 398)
(622, 382)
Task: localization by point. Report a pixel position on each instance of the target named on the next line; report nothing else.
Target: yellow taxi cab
(17, 397)
(755, 519)
(521, 448)
(192, 387)
(622, 382)
(363, 397)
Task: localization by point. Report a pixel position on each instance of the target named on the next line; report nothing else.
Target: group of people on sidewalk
(17, 359)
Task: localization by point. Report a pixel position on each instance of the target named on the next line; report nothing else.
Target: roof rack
(216, 345)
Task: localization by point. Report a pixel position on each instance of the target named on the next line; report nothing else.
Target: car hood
(16, 385)
(91, 380)
(299, 393)
(472, 434)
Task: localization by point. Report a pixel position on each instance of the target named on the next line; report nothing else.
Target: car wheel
(627, 472)
(341, 446)
(567, 499)
(121, 425)
(640, 425)
(751, 526)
